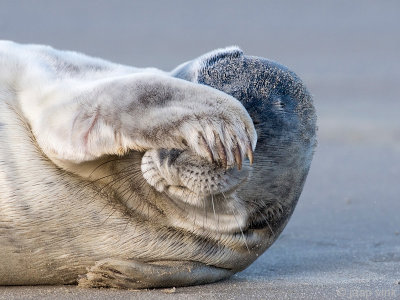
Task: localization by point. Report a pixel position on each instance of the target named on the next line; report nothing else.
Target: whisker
(241, 230)
(205, 209)
(269, 226)
(91, 182)
(240, 227)
(212, 199)
(114, 210)
(107, 162)
(114, 181)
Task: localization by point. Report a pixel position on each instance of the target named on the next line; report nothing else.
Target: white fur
(80, 115)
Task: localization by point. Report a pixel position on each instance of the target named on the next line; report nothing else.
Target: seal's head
(285, 120)
(256, 202)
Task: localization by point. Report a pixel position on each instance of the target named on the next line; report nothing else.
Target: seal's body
(123, 177)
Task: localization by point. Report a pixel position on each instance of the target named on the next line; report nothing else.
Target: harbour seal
(113, 176)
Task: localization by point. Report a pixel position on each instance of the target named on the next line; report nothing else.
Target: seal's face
(284, 117)
(203, 193)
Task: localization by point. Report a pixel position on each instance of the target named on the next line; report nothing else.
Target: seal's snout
(189, 178)
(203, 194)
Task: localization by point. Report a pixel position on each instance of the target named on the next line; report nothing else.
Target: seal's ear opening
(190, 70)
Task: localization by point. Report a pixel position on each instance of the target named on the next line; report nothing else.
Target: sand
(343, 240)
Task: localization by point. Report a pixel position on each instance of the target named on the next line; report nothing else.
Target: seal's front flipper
(130, 274)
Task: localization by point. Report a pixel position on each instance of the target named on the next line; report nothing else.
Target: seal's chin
(221, 212)
(208, 200)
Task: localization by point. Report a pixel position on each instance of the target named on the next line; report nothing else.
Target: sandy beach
(343, 240)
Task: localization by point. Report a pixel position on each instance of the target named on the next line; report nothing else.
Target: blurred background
(344, 236)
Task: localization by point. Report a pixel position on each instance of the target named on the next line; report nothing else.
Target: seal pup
(113, 176)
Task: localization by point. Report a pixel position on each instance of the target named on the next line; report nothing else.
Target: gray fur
(151, 215)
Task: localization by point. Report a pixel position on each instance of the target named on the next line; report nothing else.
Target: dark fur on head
(285, 120)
